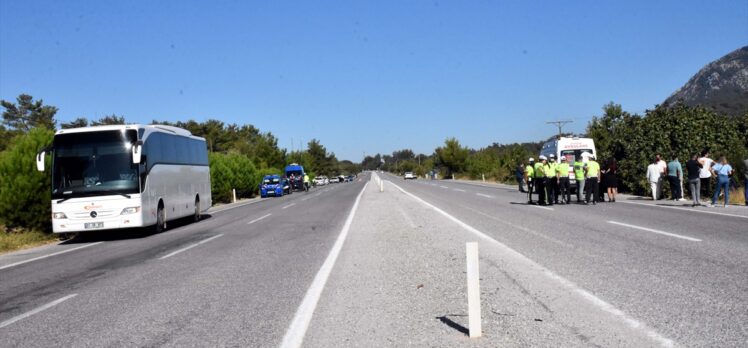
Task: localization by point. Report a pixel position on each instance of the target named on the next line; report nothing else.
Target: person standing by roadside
(540, 180)
(611, 179)
(723, 170)
(653, 177)
(706, 173)
(745, 180)
(551, 183)
(674, 176)
(529, 174)
(579, 177)
(563, 180)
(663, 172)
(519, 174)
(694, 181)
(592, 179)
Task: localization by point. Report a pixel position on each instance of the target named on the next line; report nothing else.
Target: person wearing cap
(579, 176)
(552, 182)
(562, 173)
(539, 171)
(529, 174)
(591, 180)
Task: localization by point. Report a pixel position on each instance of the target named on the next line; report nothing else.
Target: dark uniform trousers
(592, 189)
(540, 189)
(530, 185)
(563, 187)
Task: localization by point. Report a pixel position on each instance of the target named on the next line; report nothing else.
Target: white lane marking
(458, 190)
(690, 210)
(297, 330)
(288, 206)
(305, 198)
(631, 322)
(484, 195)
(520, 228)
(442, 186)
(655, 231)
(37, 310)
(234, 207)
(49, 255)
(191, 246)
(258, 219)
(318, 193)
(541, 207)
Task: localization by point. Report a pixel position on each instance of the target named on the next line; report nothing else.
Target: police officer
(551, 187)
(563, 180)
(540, 180)
(592, 179)
(529, 174)
(306, 182)
(579, 176)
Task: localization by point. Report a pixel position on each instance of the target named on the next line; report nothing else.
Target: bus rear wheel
(160, 219)
(196, 218)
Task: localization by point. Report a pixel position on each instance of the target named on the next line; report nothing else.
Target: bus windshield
(94, 164)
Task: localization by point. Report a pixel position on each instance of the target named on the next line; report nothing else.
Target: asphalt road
(304, 267)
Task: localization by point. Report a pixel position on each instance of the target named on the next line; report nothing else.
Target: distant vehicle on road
(572, 149)
(334, 180)
(295, 175)
(341, 178)
(122, 176)
(321, 181)
(350, 178)
(274, 185)
(409, 175)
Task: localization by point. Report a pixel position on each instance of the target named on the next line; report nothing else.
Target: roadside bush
(232, 171)
(24, 192)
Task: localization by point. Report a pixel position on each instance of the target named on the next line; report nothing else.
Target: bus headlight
(59, 216)
(130, 210)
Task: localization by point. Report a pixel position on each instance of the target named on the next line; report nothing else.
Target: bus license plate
(88, 225)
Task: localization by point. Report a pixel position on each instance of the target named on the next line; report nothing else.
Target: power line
(560, 124)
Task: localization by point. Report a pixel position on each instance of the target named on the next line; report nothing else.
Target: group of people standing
(550, 180)
(700, 170)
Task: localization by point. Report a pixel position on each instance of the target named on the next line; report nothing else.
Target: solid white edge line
(655, 231)
(190, 247)
(607, 307)
(258, 219)
(49, 255)
(297, 330)
(687, 209)
(234, 207)
(37, 310)
(289, 205)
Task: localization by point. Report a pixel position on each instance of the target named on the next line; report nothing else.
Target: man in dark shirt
(519, 174)
(694, 183)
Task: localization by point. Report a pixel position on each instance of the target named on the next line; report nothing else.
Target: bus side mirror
(40, 160)
(137, 151)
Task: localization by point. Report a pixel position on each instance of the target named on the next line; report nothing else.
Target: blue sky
(362, 76)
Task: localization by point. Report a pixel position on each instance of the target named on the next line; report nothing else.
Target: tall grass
(10, 241)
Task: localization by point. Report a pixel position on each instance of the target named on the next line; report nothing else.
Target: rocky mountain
(721, 85)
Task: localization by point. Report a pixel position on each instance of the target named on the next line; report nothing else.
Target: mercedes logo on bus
(94, 214)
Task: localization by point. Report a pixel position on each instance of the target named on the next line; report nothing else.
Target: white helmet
(531, 159)
(543, 158)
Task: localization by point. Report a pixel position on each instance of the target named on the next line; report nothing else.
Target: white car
(321, 180)
(409, 175)
(334, 180)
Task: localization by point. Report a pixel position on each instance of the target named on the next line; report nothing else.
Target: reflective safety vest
(579, 170)
(306, 178)
(593, 168)
(529, 171)
(539, 170)
(563, 169)
(550, 170)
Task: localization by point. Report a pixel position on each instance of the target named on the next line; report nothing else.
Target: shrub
(25, 193)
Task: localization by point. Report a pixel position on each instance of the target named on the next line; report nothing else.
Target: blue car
(274, 185)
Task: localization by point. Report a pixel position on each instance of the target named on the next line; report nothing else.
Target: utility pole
(559, 124)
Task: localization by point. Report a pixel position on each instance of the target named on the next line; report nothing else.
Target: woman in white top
(705, 173)
(653, 176)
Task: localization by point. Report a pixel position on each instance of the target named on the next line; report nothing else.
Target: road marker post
(473, 285)
(233, 194)
(381, 186)
(484, 177)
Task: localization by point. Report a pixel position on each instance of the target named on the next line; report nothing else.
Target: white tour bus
(572, 149)
(110, 177)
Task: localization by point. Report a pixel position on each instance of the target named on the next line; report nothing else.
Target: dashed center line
(258, 219)
(442, 186)
(37, 310)
(459, 190)
(484, 195)
(655, 231)
(288, 206)
(191, 246)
